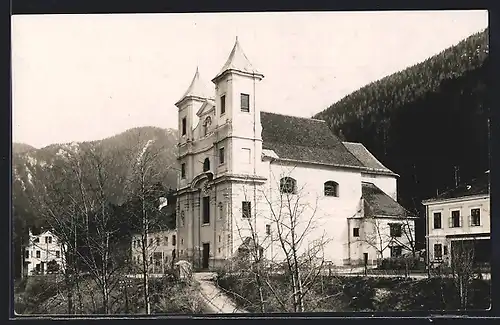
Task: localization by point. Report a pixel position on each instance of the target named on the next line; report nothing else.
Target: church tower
(236, 89)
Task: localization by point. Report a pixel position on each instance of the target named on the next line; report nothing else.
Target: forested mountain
(53, 174)
(21, 148)
(428, 123)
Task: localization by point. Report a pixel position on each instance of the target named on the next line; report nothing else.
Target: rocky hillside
(35, 167)
(428, 123)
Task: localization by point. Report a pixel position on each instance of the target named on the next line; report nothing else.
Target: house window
(150, 241)
(182, 241)
(48, 240)
(37, 254)
(396, 251)
(437, 220)
(221, 156)
(206, 210)
(157, 241)
(183, 171)
(245, 103)
(58, 254)
(288, 185)
(246, 208)
(445, 250)
(395, 229)
(206, 165)
(475, 217)
(27, 255)
(455, 219)
(438, 251)
(184, 126)
(219, 238)
(355, 232)
(222, 104)
(268, 229)
(174, 240)
(37, 240)
(331, 188)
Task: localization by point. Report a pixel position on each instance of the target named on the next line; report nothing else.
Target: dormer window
(184, 126)
(222, 104)
(245, 103)
(331, 188)
(206, 165)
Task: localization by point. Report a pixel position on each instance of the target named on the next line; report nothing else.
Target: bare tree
(143, 189)
(294, 216)
(462, 261)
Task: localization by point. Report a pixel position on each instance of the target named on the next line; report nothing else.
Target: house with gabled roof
(238, 164)
(459, 217)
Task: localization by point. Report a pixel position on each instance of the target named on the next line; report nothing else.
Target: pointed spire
(238, 61)
(196, 89)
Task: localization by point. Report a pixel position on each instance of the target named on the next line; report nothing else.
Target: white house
(159, 247)
(241, 169)
(460, 215)
(44, 254)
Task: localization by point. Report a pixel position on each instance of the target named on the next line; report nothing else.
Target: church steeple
(238, 62)
(196, 90)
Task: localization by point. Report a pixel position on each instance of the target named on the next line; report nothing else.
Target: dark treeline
(425, 122)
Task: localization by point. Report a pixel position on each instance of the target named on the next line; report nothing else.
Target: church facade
(274, 180)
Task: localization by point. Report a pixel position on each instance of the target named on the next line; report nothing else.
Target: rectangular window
(221, 156)
(246, 208)
(355, 232)
(37, 240)
(48, 240)
(222, 104)
(246, 155)
(58, 254)
(206, 210)
(183, 171)
(245, 103)
(219, 238)
(475, 215)
(268, 229)
(445, 250)
(182, 241)
(157, 241)
(438, 251)
(27, 255)
(184, 126)
(396, 251)
(174, 240)
(437, 220)
(395, 229)
(37, 254)
(455, 219)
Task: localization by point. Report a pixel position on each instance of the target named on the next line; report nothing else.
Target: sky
(88, 77)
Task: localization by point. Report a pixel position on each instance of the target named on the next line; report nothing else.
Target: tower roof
(238, 61)
(196, 89)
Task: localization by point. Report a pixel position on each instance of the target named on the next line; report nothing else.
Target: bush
(401, 263)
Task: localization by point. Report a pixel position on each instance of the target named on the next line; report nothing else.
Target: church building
(248, 176)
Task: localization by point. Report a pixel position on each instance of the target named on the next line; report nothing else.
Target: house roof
(365, 157)
(304, 139)
(477, 186)
(197, 89)
(378, 203)
(237, 61)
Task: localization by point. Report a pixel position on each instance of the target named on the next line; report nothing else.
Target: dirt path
(216, 299)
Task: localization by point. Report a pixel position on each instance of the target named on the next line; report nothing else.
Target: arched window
(288, 185)
(206, 124)
(206, 165)
(331, 188)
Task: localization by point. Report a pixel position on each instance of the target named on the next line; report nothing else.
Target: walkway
(217, 301)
